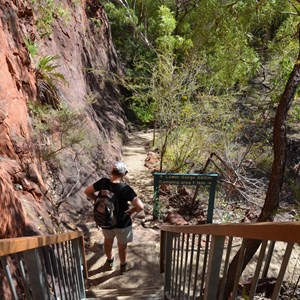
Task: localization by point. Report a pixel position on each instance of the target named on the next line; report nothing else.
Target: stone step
(150, 293)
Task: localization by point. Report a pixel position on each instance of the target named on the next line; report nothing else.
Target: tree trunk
(163, 149)
(276, 178)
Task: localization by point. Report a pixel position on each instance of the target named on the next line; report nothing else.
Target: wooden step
(150, 293)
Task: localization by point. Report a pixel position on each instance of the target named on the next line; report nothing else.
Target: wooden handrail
(15, 245)
(197, 258)
(273, 231)
(60, 257)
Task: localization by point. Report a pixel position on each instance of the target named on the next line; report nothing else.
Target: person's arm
(137, 206)
(90, 192)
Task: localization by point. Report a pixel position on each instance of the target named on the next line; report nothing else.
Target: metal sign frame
(185, 179)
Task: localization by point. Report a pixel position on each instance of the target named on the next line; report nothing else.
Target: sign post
(209, 180)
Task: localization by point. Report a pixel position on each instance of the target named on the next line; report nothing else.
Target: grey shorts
(123, 235)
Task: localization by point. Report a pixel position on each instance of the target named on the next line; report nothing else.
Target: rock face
(36, 196)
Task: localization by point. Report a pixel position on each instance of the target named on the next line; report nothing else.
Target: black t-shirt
(124, 195)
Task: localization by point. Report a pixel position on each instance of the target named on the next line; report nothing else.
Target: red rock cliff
(32, 194)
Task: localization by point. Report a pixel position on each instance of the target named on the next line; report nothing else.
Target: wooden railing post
(79, 265)
(214, 264)
(281, 274)
(36, 274)
(9, 278)
(168, 260)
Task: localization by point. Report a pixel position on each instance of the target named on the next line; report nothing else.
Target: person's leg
(124, 265)
(109, 236)
(124, 236)
(122, 253)
(108, 245)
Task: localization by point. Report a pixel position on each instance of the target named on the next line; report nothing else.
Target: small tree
(276, 179)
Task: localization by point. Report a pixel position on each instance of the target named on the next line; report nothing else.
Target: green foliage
(91, 98)
(124, 26)
(47, 67)
(166, 25)
(47, 78)
(200, 129)
(47, 75)
(170, 98)
(59, 129)
(264, 162)
(143, 111)
(295, 113)
(167, 22)
(283, 52)
(217, 68)
(166, 40)
(185, 149)
(31, 47)
(125, 15)
(244, 294)
(231, 38)
(141, 28)
(39, 113)
(96, 22)
(294, 187)
(224, 42)
(46, 11)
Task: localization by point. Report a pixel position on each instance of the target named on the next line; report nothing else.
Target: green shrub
(31, 47)
(60, 129)
(264, 162)
(47, 78)
(46, 11)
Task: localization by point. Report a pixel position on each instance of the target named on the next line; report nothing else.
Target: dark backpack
(106, 209)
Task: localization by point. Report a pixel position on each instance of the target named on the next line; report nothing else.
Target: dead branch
(236, 181)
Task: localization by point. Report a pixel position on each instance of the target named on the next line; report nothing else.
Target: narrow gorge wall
(33, 197)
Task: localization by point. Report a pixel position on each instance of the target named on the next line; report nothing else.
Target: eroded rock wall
(29, 190)
(17, 160)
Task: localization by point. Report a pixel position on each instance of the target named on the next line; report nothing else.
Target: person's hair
(116, 173)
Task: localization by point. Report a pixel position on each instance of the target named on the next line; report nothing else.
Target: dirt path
(139, 177)
(141, 180)
(134, 151)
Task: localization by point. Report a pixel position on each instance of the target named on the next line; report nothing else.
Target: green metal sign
(209, 180)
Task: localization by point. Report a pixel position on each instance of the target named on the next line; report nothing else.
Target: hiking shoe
(110, 263)
(125, 268)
